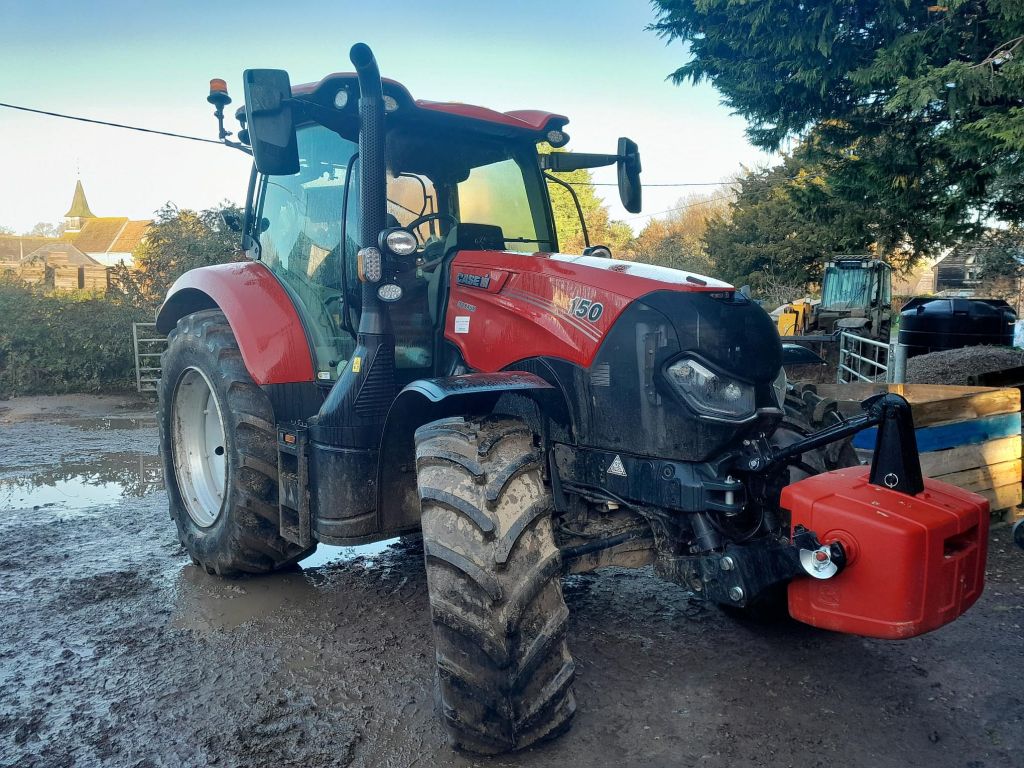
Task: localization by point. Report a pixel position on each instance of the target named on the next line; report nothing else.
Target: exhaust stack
(345, 434)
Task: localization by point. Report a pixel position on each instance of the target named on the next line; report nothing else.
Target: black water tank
(933, 324)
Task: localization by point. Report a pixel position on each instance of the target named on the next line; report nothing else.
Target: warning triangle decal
(616, 467)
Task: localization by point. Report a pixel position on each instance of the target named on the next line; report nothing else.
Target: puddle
(327, 554)
(75, 487)
(114, 423)
(207, 603)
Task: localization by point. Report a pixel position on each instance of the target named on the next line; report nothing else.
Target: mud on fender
(914, 563)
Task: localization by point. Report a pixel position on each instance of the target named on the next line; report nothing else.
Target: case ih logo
(473, 281)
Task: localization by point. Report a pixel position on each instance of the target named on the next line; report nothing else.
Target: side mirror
(630, 191)
(627, 160)
(271, 126)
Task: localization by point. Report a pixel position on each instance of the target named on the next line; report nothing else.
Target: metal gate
(149, 345)
(862, 359)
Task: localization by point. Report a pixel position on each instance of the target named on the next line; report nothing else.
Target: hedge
(60, 343)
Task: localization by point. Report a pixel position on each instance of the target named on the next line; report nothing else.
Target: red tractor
(407, 351)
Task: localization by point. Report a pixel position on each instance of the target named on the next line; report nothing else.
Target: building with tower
(82, 255)
(79, 211)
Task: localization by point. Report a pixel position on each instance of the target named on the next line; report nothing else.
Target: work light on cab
(400, 242)
(369, 263)
(557, 138)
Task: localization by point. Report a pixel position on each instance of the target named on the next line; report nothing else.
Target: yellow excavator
(856, 296)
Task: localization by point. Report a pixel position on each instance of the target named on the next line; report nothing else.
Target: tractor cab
(856, 292)
(445, 189)
(456, 177)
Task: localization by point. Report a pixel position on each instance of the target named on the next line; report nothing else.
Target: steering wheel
(414, 225)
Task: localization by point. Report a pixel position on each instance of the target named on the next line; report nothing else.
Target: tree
(678, 240)
(6, 230)
(179, 240)
(600, 226)
(915, 110)
(45, 229)
(999, 256)
(787, 220)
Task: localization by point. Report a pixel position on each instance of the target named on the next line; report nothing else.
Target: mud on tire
(244, 537)
(493, 573)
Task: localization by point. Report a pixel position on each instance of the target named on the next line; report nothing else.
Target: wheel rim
(199, 447)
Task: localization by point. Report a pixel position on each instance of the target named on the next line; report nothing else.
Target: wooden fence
(967, 436)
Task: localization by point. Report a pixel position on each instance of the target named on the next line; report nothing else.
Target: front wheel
(493, 575)
(219, 447)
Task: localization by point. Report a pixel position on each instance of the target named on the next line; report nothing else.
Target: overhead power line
(215, 141)
(108, 124)
(679, 208)
(668, 184)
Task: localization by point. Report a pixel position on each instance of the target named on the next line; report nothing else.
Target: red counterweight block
(914, 562)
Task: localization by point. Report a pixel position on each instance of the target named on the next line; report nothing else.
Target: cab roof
(524, 123)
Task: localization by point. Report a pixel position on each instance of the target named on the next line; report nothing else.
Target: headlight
(711, 393)
(389, 292)
(779, 385)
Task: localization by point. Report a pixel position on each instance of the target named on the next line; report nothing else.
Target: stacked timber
(967, 436)
(69, 277)
(95, 278)
(65, 277)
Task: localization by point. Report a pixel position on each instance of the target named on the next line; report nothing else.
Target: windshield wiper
(526, 240)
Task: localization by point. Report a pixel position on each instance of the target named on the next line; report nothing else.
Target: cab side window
(299, 224)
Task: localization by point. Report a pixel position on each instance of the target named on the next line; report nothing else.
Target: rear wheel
(219, 448)
(493, 572)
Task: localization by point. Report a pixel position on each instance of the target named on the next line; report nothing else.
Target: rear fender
(427, 400)
(261, 314)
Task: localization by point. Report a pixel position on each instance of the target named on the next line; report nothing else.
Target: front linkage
(739, 573)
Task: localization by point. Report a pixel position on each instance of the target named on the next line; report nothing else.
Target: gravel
(953, 366)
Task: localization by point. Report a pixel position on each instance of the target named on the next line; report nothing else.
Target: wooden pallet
(967, 436)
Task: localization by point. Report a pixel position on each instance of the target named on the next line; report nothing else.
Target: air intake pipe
(354, 412)
(372, 179)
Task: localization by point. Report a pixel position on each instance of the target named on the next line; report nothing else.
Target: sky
(149, 64)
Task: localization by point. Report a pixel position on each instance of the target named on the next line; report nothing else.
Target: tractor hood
(635, 279)
(506, 306)
(609, 331)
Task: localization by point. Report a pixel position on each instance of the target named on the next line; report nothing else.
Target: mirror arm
(576, 161)
(237, 145)
(576, 200)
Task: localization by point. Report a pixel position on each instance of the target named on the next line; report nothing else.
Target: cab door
(299, 229)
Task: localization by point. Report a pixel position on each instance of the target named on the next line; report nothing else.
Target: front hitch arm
(895, 463)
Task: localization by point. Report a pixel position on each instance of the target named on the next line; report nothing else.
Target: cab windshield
(454, 191)
(468, 179)
(846, 288)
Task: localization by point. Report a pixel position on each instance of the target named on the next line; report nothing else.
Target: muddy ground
(115, 651)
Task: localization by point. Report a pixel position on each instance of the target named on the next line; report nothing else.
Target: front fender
(261, 314)
(427, 400)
